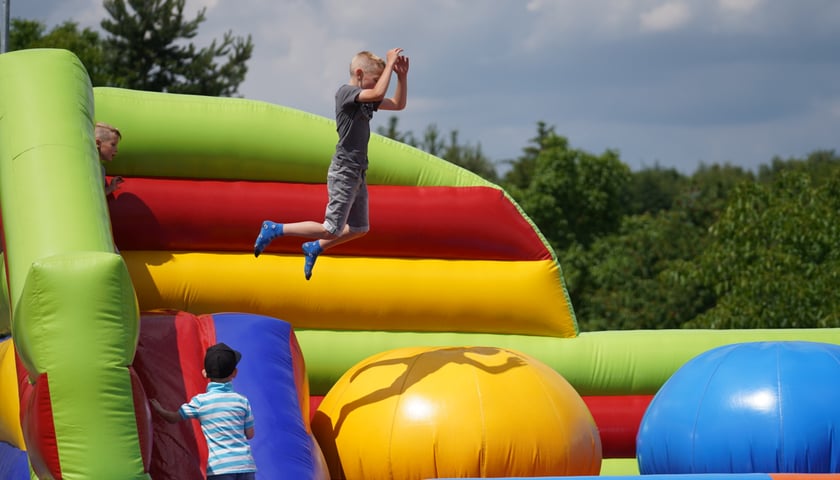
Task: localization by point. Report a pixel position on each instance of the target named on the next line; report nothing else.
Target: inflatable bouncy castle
(442, 344)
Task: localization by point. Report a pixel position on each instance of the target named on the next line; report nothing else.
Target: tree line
(722, 247)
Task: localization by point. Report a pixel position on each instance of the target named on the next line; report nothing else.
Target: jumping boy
(225, 417)
(346, 215)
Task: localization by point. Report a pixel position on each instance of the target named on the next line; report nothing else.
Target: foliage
(574, 196)
(393, 132)
(148, 52)
(709, 189)
(469, 157)
(641, 276)
(772, 260)
(522, 169)
(636, 277)
(464, 155)
(653, 190)
(819, 164)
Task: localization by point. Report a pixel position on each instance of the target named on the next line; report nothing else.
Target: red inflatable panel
(426, 222)
(618, 418)
(38, 424)
(168, 363)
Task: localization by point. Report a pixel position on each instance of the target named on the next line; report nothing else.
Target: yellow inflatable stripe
(359, 293)
(10, 431)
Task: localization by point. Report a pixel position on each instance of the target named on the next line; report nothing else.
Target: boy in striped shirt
(225, 417)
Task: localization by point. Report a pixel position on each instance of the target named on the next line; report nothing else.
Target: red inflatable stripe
(618, 418)
(425, 222)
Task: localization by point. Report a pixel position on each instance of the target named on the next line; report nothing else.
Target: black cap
(220, 361)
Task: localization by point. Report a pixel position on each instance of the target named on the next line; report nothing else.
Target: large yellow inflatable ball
(431, 412)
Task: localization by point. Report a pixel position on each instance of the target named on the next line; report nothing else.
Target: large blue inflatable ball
(763, 407)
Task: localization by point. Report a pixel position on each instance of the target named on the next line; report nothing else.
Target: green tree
(469, 157)
(637, 279)
(708, 191)
(393, 132)
(575, 196)
(819, 164)
(641, 276)
(653, 190)
(464, 155)
(432, 143)
(773, 261)
(149, 50)
(85, 43)
(521, 171)
(25, 34)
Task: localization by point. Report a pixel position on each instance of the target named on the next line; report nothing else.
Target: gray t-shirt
(352, 121)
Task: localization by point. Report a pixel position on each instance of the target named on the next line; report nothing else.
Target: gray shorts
(348, 199)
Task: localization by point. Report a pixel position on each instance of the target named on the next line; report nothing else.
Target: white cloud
(668, 16)
(739, 6)
(741, 17)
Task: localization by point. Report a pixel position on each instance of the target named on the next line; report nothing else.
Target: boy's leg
(311, 250)
(358, 220)
(268, 232)
(343, 185)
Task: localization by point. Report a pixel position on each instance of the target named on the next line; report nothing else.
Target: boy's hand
(169, 416)
(393, 55)
(116, 182)
(401, 66)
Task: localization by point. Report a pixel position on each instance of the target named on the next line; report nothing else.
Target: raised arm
(380, 89)
(397, 102)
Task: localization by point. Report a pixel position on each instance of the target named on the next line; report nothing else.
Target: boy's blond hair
(103, 131)
(368, 62)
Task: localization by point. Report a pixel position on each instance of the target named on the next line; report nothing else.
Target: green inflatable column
(74, 315)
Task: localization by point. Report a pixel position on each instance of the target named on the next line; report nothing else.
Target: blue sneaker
(311, 250)
(268, 232)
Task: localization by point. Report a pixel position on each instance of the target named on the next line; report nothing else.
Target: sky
(668, 83)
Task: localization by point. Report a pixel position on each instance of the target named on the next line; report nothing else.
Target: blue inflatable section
(748, 407)
(13, 463)
(282, 447)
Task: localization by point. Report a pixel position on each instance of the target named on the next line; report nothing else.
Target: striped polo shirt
(224, 415)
